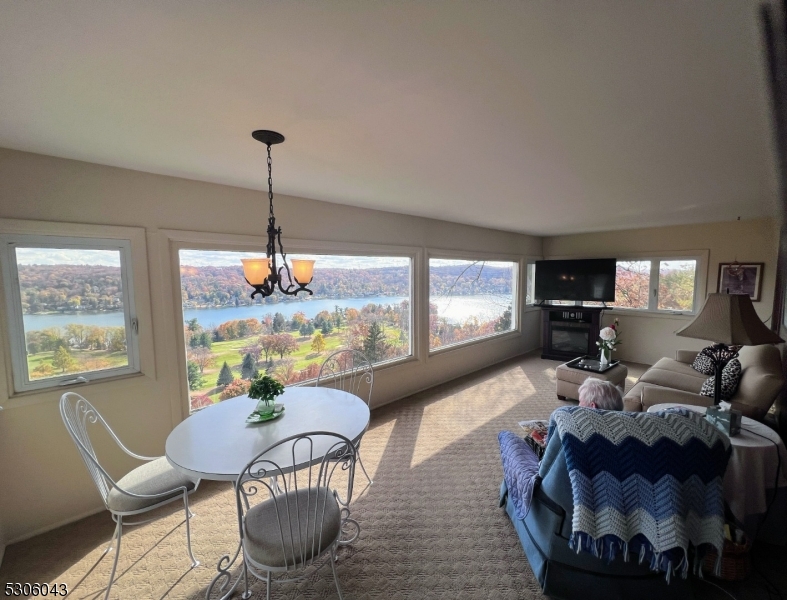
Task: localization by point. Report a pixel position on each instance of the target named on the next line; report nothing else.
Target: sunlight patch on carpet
(460, 413)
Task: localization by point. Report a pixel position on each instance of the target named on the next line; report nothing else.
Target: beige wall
(42, 480)
(648, 337)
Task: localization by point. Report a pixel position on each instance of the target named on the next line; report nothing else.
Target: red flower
(613, 327)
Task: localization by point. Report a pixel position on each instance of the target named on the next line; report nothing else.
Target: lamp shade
(302, 270)
(729, 319)
(256, 270)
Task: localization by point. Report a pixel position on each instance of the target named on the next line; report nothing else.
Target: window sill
(465, 344)
(636, 312)
(38, 396)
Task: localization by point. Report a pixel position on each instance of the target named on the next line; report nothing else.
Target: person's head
(594, 393)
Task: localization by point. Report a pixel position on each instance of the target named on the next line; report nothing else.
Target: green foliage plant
(265, 388)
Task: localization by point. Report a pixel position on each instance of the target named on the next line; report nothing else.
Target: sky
(215, 258)
(67, 256)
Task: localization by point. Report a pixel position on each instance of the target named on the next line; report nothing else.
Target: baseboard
(46, 528)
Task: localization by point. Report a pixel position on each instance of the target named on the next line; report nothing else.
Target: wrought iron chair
(297, 518)
(144, 489)
(349, 371)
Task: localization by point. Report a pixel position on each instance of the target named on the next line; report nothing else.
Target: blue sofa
(562, 572)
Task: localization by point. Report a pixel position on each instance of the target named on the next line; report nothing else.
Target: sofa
(674, 380)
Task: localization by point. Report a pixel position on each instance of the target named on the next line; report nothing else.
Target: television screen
(578, 280)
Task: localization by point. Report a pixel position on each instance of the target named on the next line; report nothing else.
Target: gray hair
(604, 394)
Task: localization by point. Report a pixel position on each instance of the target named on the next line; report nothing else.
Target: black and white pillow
(703, 363)
(730, 378)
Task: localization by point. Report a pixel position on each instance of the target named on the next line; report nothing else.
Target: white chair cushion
(263, 536)
(154, 477)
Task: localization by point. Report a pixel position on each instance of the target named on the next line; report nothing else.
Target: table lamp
(728, 320)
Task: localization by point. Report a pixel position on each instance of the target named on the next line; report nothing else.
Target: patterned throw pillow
(703, 362)
(730, 378)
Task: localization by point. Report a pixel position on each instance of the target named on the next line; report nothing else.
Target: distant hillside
(48, 288)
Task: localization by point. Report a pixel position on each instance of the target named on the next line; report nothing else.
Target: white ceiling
(534, 116)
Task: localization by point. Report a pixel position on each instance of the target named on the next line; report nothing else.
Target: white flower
(607, 334)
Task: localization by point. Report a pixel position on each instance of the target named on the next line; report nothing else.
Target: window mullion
(653, 297)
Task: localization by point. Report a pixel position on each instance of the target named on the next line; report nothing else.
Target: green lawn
(229, 351)
(86, 360)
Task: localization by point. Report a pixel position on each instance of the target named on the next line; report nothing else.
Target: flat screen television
(578, 280)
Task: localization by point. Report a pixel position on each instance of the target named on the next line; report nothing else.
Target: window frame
(527, 263)
(191, 240)
(17, 342)
(517, 305)
(655, 276)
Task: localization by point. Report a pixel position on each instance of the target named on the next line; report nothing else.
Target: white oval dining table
(216, 443)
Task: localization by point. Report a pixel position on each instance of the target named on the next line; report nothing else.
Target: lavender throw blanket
(520, 467)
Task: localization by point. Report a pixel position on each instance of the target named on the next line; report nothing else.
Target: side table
(755, 485)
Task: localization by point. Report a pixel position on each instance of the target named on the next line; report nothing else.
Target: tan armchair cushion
(686, 356)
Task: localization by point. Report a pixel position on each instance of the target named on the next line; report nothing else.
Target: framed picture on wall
(741, 278)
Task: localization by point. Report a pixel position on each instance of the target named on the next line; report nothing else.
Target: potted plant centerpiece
(265, 389)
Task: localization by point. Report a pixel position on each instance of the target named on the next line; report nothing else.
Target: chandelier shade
(256, 270)
(302, 270)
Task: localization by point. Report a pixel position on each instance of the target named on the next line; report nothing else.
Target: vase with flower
(609, 338)
(265, 389)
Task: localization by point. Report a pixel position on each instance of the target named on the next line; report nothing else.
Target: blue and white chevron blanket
(649, 483)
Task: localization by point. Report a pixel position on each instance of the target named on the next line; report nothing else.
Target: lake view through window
(360, 302)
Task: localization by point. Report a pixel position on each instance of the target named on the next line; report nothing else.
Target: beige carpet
(431, 525)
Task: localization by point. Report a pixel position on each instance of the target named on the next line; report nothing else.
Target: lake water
(456, 309)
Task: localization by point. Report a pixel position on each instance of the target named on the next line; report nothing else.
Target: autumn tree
(236, 387)
(63, 360)
(284, 344)
(202, 357)
(632, 284)
(318, 343)
(285, 371)
(676, 289)
(267, 344)
(254, 349)
(225, 375)
(43, 370)
(299, 319)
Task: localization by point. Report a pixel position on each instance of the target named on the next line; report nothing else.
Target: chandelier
(263, 274)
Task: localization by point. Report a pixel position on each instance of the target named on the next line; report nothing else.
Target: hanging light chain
(270, 182)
